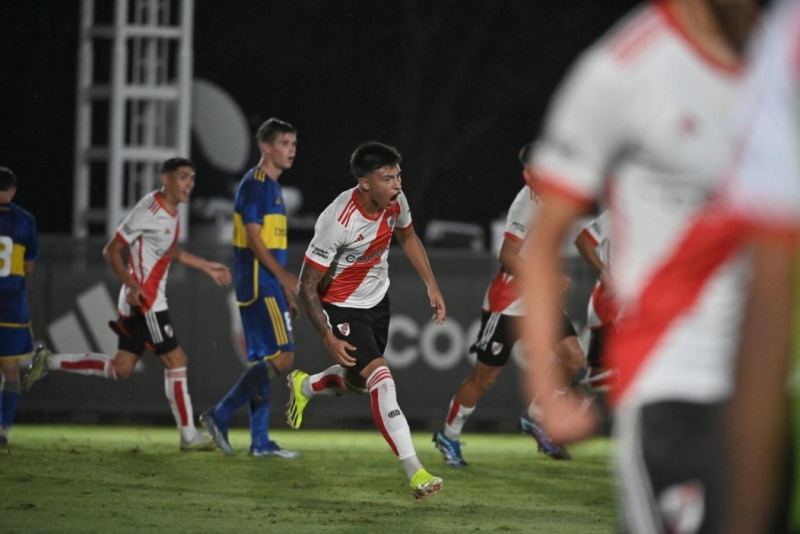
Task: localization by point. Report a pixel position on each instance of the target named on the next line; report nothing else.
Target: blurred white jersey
(648, 112)
(150, 230)
(352, 248)
(503, 295)
(766, 190)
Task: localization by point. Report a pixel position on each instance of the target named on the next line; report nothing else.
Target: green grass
(135, 479)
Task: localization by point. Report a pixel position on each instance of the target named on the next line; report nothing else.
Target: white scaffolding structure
(133, 105)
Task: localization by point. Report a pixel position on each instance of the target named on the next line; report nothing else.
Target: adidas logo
(360, 238)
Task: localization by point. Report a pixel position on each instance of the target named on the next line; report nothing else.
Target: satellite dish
(219, 127)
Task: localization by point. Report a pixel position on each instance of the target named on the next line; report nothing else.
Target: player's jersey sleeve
(138, 221)
(599, 228)
(328, 235)
(250, 203)
(404, 217)
(520, 214)
(584, 129)
(765, 182)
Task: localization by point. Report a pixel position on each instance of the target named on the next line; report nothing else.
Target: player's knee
(122, 369)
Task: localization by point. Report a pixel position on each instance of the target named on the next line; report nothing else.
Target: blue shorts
(16, 341)
(267, 326)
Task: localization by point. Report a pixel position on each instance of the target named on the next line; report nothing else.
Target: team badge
(168, 330)
(391, 221)
(344, 328)
(496, 347)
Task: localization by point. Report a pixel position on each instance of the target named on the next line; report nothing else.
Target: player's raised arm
(415, 251)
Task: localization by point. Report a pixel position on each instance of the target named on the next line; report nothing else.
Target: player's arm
(112, 253)
(310, 278)
(216, 271)
(415, 252)
(509, 255)
(565, 415)
(288, 281)
(587, 248)
(759, 408)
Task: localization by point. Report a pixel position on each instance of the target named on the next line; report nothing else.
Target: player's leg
(164, 344)
(261, 444)
(16, 342)
(335, 381)
(9, 395)
(492, 349)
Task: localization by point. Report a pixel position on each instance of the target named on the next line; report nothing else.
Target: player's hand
(338, 349)
(569, 417)
(219, 273)
(135, 296)
(291, 302)
(439, 308)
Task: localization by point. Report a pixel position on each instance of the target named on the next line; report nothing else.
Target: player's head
(377, 168)
(8, 180)
(372, 156)
(277, 142)
(525, 154)
(177, 180)
(735, 19)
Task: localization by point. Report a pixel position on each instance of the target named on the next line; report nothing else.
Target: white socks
(177, 390)
(87, 363)
(457, 415)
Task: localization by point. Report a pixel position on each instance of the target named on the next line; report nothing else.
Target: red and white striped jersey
(503, 293)
(647, 107)
(150, 230)
(352, 248)
(765, 182)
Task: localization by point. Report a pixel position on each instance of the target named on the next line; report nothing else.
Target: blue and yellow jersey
(19, 242)
(259, 200)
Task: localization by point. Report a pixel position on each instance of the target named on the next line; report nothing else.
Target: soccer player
(647, 116)
(19, 250)
(343, 288)
(265, 290)
(150, 234)
(592, 243)
(499, 332)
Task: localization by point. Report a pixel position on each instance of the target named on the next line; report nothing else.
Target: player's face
(281, 152)
(178, 185)
(383, 186)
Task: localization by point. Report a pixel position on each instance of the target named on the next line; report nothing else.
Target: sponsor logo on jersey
(168, 330)
(519, 227)
(496, 347)
(127, 229)
(394, 413)
(319, 252)
(344, 328)
(369, 258)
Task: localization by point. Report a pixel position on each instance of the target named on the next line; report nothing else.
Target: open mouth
(394, 197)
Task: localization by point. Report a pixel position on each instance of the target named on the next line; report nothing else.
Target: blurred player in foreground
(648, 117)
(150, 233)
(19, 250)
(343, 288)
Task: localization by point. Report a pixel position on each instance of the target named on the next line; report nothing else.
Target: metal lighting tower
(133, 105)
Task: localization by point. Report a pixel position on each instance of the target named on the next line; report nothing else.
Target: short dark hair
(525, 153)
(372, 156)
(272, 128)
(8, 180)
(173, 164)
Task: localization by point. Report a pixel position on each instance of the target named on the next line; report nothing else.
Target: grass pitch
(135, 479)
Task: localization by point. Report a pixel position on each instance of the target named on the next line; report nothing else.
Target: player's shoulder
(343, 208)
(22, 213)
(633, 38)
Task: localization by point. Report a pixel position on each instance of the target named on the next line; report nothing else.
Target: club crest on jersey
(391, 220)
(168, 330)
(344, 328)
(496, 347)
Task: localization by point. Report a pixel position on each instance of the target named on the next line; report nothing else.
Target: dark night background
(457, 86)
